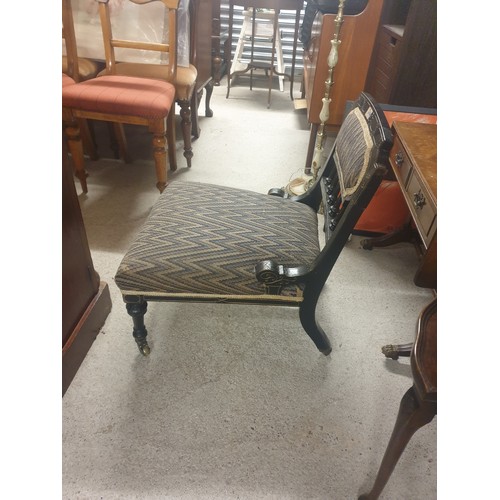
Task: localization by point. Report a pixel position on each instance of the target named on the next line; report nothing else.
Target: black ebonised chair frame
(340, 217)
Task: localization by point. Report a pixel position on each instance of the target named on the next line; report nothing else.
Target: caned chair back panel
(353, 170)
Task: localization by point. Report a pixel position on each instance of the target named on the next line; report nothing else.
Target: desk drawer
(400, 161)
(422, 207)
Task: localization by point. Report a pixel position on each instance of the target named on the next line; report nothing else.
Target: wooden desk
(413, 159)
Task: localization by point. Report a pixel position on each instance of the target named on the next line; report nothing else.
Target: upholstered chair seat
(184, 81)
(211, 246)
(67, 80)
(121, 95)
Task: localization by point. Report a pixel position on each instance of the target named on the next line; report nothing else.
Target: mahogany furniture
(204, 38)
(403, 68)
(232, 245)
(85, 299)
(413, 160)
(123, 99)
(419, 404)
(388, 210)
(357, 39)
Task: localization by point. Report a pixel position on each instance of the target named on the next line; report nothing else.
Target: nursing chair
(229, 245)
(182, 77)
(124, 99)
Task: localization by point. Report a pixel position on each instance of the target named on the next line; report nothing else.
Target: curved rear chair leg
(307, 313)
(137, 310)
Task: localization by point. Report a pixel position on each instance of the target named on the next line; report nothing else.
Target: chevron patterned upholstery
(354, 146)
(202, 240)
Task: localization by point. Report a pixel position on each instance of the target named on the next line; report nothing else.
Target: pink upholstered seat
(67, 80)
(121, 95)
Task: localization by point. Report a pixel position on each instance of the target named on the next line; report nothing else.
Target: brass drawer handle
(399, 159)
(418, 199)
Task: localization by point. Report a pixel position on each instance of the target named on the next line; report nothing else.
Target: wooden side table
(413, 159)
(419, 404)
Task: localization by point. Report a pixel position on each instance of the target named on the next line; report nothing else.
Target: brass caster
(145, 350)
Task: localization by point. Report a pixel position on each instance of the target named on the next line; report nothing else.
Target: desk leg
(412, 416)
(406, 234)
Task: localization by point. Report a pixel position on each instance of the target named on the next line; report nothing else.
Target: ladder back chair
(183, 78)
(233, 245)
(125, 99)
(78, 69)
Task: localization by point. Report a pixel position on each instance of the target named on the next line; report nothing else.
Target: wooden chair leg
(195, 102)
(137, 310)
(160, 154)
(172, 147)
(87, 139)
(186, 130)
(412, 415)
(209, 91)
(113, 142)
(75, 147)
(119, 132)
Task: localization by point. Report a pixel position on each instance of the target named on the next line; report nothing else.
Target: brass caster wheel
(145, 350)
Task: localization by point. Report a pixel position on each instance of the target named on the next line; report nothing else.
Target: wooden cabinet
(85, 299)
(403, 69)
(357, 40)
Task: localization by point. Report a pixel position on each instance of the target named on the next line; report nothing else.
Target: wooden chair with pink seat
(77, 69)
(164, 68)
(122, 99)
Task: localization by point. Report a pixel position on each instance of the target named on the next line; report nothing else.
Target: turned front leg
(160, 154)
(185, 113)
(75, 146)
(137, 310)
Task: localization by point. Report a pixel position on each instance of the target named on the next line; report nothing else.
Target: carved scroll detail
(275, 276)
